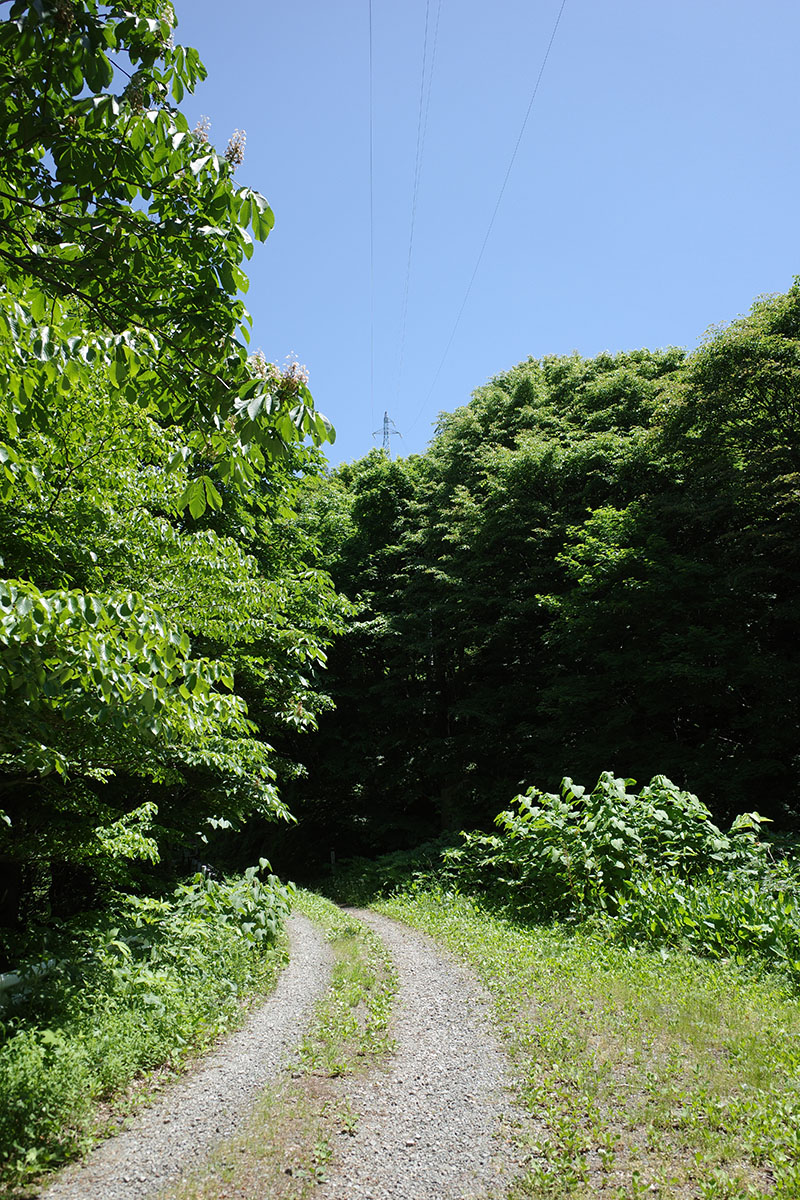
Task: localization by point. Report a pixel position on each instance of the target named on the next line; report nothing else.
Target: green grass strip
(292, 1139)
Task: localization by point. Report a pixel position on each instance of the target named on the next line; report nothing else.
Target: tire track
(209, 1105)
(430, 1127)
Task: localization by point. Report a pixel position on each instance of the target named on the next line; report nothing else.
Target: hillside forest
(593, 567)
(217, 653)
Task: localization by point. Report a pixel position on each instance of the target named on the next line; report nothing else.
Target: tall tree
(682, 615)
(147, 459)
(596, 567)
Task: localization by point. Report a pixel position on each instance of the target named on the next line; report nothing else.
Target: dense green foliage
(162, 617)
(145, 985)
(575, 852)
(649, 866)
(595, 562)
(646, 867)
(122, 235)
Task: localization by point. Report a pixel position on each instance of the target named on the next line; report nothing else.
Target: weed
(138, 990)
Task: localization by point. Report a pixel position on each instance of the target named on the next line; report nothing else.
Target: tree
(596, 567)
(147, 461)
(680, 622)
(363, 784)
(122, 238)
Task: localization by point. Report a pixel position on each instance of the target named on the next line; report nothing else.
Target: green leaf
(212, 496)
(197, 498)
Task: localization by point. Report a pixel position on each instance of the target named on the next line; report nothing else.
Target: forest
(593, 567)
(219, 655)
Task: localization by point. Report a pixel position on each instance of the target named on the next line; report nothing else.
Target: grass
(294, 1135)
(644, 1073)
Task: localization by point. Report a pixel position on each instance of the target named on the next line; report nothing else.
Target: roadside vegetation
(162, 620)
(122, 999)
(644, 966)
(644, 1072)
(645, 867)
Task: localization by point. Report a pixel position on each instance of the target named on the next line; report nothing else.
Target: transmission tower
(389, 430)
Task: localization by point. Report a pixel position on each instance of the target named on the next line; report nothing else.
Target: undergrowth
(645, 966)
(644, 1073)
(648, 867)
(138, 989)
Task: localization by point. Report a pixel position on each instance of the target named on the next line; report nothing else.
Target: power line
(371, 237)
(422, 125)
(493, 216)
(433, 65)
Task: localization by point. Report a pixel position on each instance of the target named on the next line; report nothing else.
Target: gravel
(210, 1104)
(429, 1128)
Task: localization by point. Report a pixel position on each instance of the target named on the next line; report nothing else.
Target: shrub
(573, 853)
(359, 880)
(648, 866)
(717, 915)
(144, 986)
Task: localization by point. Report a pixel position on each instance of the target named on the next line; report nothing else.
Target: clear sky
(655, 191)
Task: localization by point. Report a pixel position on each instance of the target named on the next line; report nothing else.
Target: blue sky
(655, 191)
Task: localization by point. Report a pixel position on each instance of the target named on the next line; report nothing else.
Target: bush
(144, 987)
(717, 915)
(359, 881)
(574, 853)
(254, 907)
(648, 866)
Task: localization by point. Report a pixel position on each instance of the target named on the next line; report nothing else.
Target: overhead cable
(426, 79)
(493, 216)
(371, 238)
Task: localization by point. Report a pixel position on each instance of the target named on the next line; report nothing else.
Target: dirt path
(209, 1104)
(429, 1128)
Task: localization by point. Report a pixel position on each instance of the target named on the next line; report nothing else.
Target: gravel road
(428, 1128)
(210, 1103)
